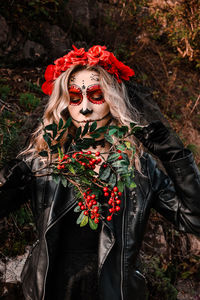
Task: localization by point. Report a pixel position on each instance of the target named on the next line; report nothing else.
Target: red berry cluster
(64, 160)
(86, 159)
(89, 203)
(120, 156)
(90, 206)
(113, 201)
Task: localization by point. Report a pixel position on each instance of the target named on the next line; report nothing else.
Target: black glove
(15, 174)
(160, 141)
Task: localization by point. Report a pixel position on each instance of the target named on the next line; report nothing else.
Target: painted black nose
(86, 111)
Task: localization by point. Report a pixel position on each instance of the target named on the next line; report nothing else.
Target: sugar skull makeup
(93, 93)
(87, 103)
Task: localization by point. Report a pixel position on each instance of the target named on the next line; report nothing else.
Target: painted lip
(85, 121)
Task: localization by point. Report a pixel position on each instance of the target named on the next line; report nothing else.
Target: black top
(75, 238)
(72, 273)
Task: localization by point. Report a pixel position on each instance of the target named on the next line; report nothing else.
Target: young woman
(68, 262)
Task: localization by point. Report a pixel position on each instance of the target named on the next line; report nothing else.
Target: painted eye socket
(95, 95)
(75, 95)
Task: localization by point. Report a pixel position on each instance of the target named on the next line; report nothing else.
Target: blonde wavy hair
(116, 96)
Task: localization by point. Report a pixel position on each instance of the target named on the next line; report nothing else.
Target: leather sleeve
(177, 196)
(14, 180)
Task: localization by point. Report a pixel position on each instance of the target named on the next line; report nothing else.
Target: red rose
(125, 72)
(60, 61)
(49, 73)
(76, 57)
(60, 64)
(118, 69)
(47, 87)
(110, 68)
(97, 54)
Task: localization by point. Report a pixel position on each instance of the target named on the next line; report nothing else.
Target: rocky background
(160, 40)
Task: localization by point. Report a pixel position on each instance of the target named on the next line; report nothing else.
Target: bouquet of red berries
(76, 168)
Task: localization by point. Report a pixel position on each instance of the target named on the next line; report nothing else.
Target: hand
(160, 141)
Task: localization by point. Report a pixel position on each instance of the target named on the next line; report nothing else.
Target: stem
(76, 184)
(40, 175)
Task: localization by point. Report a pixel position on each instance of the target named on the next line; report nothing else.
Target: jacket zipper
(46, 243)
(122, 251)
(33, 247)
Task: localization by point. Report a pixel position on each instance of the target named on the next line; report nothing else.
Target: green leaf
(121, 147)
(85, 129)
(60, 124)
(120, 186)
(84, 221)
(112, 131)
(127, 180)
(93, 126)
(80, 146)
(49, 127)
(70, 185)
(85, 180)
(54, 130)
(119, 163)
(80, 218)
(52, 127)
(71, 168)
(101, 129)
(60, 135)
(68, 123)
(93, 225)
(132, 125)
(113, 156)
(84, 143)
(125, 158)
(77, 209)
(64, 181)
(132, 185)
(105, 174)
(56, 178)
(112, 180)
(128, 145)
(60, 153)
(88, 140)
(79, 169)
(89, 172)
(47, 139)
(109, 138)
(136, 128)
(116, 164)
(95, 135)
(43, 153)
(78, 133)
(96, 192)
(122, 170)
(122, 131)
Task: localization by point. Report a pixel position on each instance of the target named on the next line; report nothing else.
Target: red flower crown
(97, 55)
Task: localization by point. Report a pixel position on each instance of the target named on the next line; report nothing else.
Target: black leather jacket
(176, 197)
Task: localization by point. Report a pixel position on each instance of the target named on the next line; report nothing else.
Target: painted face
(87, 103)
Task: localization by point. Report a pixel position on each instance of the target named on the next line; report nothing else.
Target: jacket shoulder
(147, 161)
